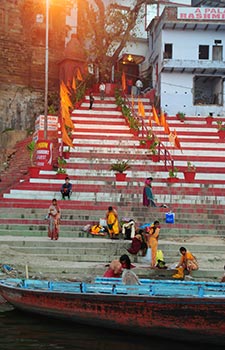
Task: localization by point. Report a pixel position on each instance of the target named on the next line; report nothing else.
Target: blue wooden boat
(186, 310)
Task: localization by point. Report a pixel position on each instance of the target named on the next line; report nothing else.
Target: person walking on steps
(102, 90)
(139, 86)
(148, 198)
(91, 98)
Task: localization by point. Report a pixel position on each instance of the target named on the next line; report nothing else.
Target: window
(168, 51)
(208, 90)
(203, 53)
(217, 53)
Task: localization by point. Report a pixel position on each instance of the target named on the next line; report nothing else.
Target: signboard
(198, 13)
(52, 122)
(44, 154)
(39, 127)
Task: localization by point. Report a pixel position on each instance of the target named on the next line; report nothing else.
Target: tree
(105, 30)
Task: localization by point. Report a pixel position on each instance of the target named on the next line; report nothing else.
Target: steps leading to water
(87, 257)
(101, 137)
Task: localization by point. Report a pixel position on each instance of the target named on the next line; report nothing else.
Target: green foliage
(102, 25)
(154, 147)
(180, 115)
(31, 149)
(80, 92)
(173, 172)
(133, 123)
(191, 167)
(120, 166)
(220, 125)
(61, 165)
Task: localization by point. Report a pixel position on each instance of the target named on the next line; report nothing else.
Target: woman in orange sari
(153, 241)
(112, 223)
(53, 220)
(187, 260)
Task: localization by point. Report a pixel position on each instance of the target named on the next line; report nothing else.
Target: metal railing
(162, 151)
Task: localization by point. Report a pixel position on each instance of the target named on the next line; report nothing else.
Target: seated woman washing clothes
(112, 223)
(187, 260)
(122, 268)
(114, 269)
(138, 244)
(128, 276)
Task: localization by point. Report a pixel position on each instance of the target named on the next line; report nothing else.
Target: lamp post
(46, 71)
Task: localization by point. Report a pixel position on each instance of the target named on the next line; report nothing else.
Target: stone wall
(22, 59)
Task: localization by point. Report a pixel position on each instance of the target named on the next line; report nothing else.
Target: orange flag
(163, 123)
(66, 117)
(155, 116)
(79, 76)
(64, 95)
(150, 121)
(141, 110)
(176, 141)
(74, 84)
(65, 137)
(124, 82)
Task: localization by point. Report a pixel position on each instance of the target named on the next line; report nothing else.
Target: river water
(22, 331)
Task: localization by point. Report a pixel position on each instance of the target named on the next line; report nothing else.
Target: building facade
(187, 55)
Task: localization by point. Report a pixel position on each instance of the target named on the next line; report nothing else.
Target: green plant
(126, 111)
(120, 166)
(173, 172)
(191, 167)
(133, 123)
(31, 149)
(142, 142)
(220, 125)
(180, 115)
(61, 165)
(154, 147)
(119, 100)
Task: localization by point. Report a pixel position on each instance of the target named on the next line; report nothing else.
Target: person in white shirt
(139, 86)
(102, 90)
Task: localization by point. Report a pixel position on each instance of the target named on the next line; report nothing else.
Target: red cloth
(135, 246)
(110, 273)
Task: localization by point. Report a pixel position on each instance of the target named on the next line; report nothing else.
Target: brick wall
(22, 58)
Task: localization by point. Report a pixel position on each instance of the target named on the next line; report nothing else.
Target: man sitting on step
(66, 188)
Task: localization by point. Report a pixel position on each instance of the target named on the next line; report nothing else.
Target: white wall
(176, 96)
(186, 43)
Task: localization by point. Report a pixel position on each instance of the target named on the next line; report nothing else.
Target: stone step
(66, 256)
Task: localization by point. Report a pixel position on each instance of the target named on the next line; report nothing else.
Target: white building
(186, 53)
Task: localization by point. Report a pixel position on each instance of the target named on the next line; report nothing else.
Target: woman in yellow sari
(112, 223)
(153, 241)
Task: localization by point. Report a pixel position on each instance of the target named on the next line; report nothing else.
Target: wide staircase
(102, 137)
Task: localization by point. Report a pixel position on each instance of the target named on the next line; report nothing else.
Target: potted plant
(154, 149)
(180, 116)
(148, 141)
(173, 175)
(61, 172)
(209, 119)
(120, 167)
(221, 129)
(119, 102)
(189, 172)
(33, 170)
(134, 126)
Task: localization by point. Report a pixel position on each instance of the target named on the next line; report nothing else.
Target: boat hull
(191, 319)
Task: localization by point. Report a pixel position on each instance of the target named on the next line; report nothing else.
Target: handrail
(162, 150)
